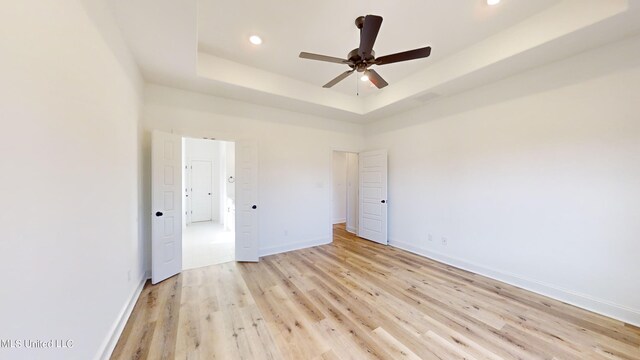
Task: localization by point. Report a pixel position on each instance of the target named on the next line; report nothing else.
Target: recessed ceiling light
(255, 39)
(493, 2)
(364, 78)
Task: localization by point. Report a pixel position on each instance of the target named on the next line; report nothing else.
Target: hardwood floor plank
(164, 339)
(354, 299)
(397, 349)
(444, 349)
(359, 334)
(258, 335)
(133, 331)
(294, 292)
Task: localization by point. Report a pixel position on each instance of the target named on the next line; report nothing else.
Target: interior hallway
(207, 243)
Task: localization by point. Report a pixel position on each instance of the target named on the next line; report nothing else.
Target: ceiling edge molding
(560, 20)
(225, 71)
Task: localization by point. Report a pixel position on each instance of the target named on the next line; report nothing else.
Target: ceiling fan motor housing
(357, 63)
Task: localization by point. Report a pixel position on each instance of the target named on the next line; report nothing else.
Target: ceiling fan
(362, 58)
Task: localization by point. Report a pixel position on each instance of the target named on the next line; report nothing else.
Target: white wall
(339, 187)
(533, 180)
(69, 103)
(353, 187)
(229, 188)
(207, 150)
(230, 166)
(295, 157)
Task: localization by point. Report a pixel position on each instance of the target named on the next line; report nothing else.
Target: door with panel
(372, 224)
(201, 190)
(246, 190)
(166, 205)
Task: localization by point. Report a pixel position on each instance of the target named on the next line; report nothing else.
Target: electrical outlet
(129, 275)
(430, 237)
(444, 241)
(286, 232)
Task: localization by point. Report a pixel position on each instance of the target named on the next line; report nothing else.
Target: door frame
(208, 136)
(344, 150)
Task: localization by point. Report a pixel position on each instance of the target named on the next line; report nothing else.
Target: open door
(373, 196)
(247, 201)
(166, 205)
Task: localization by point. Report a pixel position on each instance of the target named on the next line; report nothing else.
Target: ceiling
(202, 45)
(327, 27)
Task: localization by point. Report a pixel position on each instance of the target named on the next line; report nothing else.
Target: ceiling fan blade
(338, 79)
(368, 35)
(376, 79)
(404, 56)
(310, 56)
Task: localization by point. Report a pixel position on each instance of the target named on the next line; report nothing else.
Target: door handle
(159, 213)
(384, 201)
(254, 207)
(209, 193)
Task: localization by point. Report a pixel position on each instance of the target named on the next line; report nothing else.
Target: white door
(166, 204)
(201, 190)
(373, 196)
(246, 201)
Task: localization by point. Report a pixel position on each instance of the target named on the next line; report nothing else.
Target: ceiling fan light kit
(255, 39)
(362, 58)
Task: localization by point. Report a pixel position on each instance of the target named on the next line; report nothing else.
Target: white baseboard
(352, 229)
(116, 330)
(339, 221)
(599, 306)
(294, 246)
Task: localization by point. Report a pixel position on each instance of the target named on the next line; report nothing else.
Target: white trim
(352, 229)
(340, 221)
(294, 246)
(110, 342)
(587, 302)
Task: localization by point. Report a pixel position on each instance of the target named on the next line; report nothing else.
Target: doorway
(169, 202)
(208, 175)
(359, 188)
(345, 191)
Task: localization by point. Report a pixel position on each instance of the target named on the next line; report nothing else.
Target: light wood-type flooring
(354, 299)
